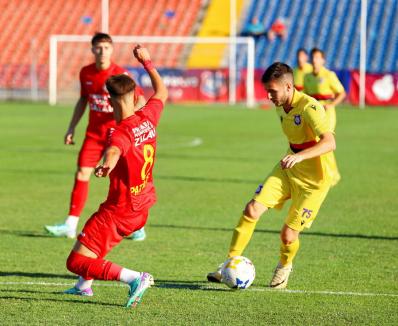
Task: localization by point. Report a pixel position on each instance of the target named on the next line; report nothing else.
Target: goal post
(233, 45)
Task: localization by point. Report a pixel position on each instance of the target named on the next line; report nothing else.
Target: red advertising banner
(381, 89)
(200, 85)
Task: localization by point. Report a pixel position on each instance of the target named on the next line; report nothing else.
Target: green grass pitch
(210, 160)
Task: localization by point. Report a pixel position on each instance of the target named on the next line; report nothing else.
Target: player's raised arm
(78, 112)
(142, 55)
(111, 157)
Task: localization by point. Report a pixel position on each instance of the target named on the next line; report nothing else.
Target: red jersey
(92, 83)
(131, 183)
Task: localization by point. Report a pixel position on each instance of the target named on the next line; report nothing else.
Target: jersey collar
(295, 100)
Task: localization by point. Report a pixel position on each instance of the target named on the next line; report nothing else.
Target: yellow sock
(288, 252)
(241, 236)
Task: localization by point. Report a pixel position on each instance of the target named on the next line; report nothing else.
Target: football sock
(72, 221)
(288, 252)
(83, 284)
(241, 236)
(127, 275)
(78, 197)
(93, 268)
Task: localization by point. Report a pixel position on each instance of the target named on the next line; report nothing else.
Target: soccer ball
(238, 272)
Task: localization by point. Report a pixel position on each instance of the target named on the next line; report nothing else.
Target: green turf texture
(351, 247)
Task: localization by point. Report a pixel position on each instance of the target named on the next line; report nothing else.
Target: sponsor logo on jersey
(100, 103)
(143, 132)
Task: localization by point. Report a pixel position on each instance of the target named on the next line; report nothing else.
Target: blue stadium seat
(332, 25)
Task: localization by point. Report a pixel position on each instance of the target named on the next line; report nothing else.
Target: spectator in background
(255, 29)
(303, 68)
(278, 29)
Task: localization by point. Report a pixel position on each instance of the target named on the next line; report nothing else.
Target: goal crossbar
(231, 41)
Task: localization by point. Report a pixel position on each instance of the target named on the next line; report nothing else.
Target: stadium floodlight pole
(362, 68)
(248, 41)
(232, 53)
(105, 16)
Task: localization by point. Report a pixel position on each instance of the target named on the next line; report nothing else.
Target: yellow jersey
(303, 125)
(298, 75)
(324, 86)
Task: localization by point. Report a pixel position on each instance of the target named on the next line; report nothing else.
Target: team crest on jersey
(297, 119)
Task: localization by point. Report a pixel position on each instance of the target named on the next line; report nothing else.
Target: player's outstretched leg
(100, 269)
(139, 235)
(241, 235)
(138, 288)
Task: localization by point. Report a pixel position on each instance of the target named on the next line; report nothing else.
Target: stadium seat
(338, 33)
(36, 20)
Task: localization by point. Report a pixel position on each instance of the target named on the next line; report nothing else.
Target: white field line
(195, 142)
(359, 294)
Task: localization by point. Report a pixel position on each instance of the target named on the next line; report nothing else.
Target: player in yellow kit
(323, 85)
(303, 175)
(303, 68)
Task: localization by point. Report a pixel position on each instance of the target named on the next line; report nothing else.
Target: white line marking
(197, 141)
(366, 294)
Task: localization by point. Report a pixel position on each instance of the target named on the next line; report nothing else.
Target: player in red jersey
(100, 126)
(128, 160)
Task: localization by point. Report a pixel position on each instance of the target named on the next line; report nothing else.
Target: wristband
(148, 65)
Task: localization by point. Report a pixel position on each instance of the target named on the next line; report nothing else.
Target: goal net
(222, 70)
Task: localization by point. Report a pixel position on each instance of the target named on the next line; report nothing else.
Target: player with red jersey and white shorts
(129, 161)
(100, 126)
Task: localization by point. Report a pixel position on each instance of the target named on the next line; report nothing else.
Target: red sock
(93, 268)
(78, 197)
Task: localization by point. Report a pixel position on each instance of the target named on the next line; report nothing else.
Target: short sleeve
(83, 91)
(315, 117)
(122, 140)
(335, 84)
(153, 110)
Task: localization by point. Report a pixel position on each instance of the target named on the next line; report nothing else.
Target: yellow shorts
(306, 200)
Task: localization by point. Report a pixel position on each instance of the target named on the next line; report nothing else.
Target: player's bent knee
(254, 209)
(288, 235)
(71, 263)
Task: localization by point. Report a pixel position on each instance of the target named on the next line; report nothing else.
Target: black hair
(315, 50)
(276, 71)
(301, 50)
(101, 37)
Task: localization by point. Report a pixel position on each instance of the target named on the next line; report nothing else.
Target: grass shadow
(23, 233)
(305, 233)
(83, 300)
(36, 275)
(185, 285)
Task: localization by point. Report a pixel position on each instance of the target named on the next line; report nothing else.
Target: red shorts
(105, 229)
(91, 152)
